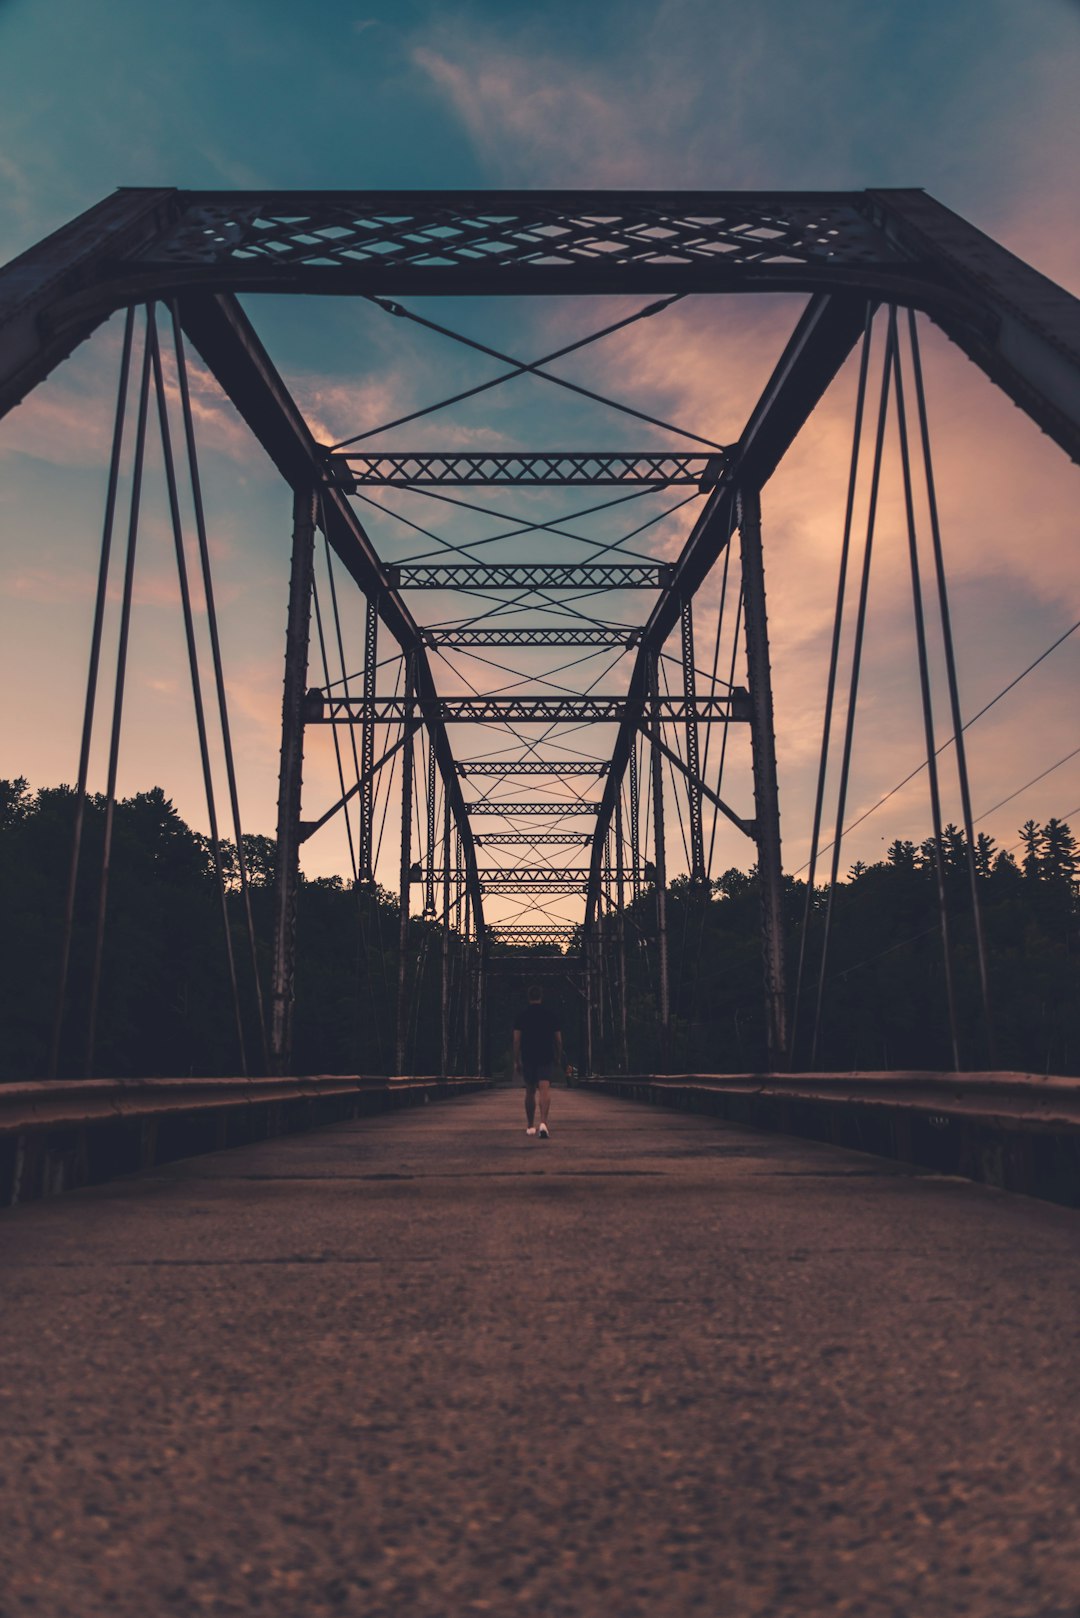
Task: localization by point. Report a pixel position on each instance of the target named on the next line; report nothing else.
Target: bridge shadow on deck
(419, 1364)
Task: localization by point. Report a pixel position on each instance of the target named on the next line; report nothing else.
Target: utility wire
(948, 743)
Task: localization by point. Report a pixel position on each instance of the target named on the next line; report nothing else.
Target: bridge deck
(419, 1364)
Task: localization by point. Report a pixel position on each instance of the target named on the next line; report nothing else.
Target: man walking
(537, 1047)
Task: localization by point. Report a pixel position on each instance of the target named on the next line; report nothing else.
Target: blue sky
(973, 101)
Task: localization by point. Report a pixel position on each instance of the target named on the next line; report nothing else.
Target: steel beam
(321, 709)
(367, 745)
(527, 876)
(635, 823)
(766, 796)
(72, 263)
(571, 806)
(405, 876)
(531, 766)
(480, 243)
(525, 469)
(660, 863)
(620, 932)
(582, 635)
(693, 751)
(308, 828)
(290, 780)
(444, 983)
(747, 827)
(552, 889)
(1024, 329)
(529, 575)
(896, 245)
(522, 933)
(533, 839)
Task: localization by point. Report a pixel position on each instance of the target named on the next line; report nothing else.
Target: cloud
(68, 419)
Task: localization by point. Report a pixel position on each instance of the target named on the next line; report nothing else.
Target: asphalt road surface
(420, 1365)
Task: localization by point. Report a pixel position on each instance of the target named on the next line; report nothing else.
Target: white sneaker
(543, 1131)
(531, 1130)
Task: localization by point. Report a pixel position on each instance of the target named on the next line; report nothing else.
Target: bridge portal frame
(845, 249)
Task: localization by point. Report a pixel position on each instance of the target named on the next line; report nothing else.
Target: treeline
(883, 997)
(165, 1004)
(166, 1007)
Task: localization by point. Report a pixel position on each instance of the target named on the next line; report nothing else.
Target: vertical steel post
(367, 744)
(459, 880)
(660, 862)
(693, 750)
(406, 866)
(290, 781)
(466, 974)
(635, 823)
(620, 930)
(429, 875)
(481, 985)
(587, 962)
(766, 795)
(445, 996)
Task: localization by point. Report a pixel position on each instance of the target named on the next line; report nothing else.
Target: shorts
(534, 1073)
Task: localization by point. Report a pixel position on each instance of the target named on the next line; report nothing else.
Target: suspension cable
(853, 686)
(91, 692)
(924, 689)
(193, 664)
(834, 660)
(954, 689)
(219, 675)
(118, 703)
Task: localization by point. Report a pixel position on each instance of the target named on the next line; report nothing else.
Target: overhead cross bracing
(530, 766)
(527, 577)
(533, 576)
(555, 806)
(524, 937)
(323, 709)
(534, 839)
(520, 469)
(532, 639)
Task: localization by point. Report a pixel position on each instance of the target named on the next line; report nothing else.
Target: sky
(973, 100)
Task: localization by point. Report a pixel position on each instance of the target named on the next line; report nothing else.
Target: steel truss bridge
(863, 260)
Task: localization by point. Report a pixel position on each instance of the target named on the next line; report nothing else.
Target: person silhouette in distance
(537, 1048)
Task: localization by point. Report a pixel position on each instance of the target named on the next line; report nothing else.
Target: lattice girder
(332, 709)
(526, 469)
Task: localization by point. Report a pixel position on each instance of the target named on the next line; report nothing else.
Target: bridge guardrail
(1017, 1131)
(56, 1136)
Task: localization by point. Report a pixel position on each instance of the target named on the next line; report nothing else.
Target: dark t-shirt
(538, 1026)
